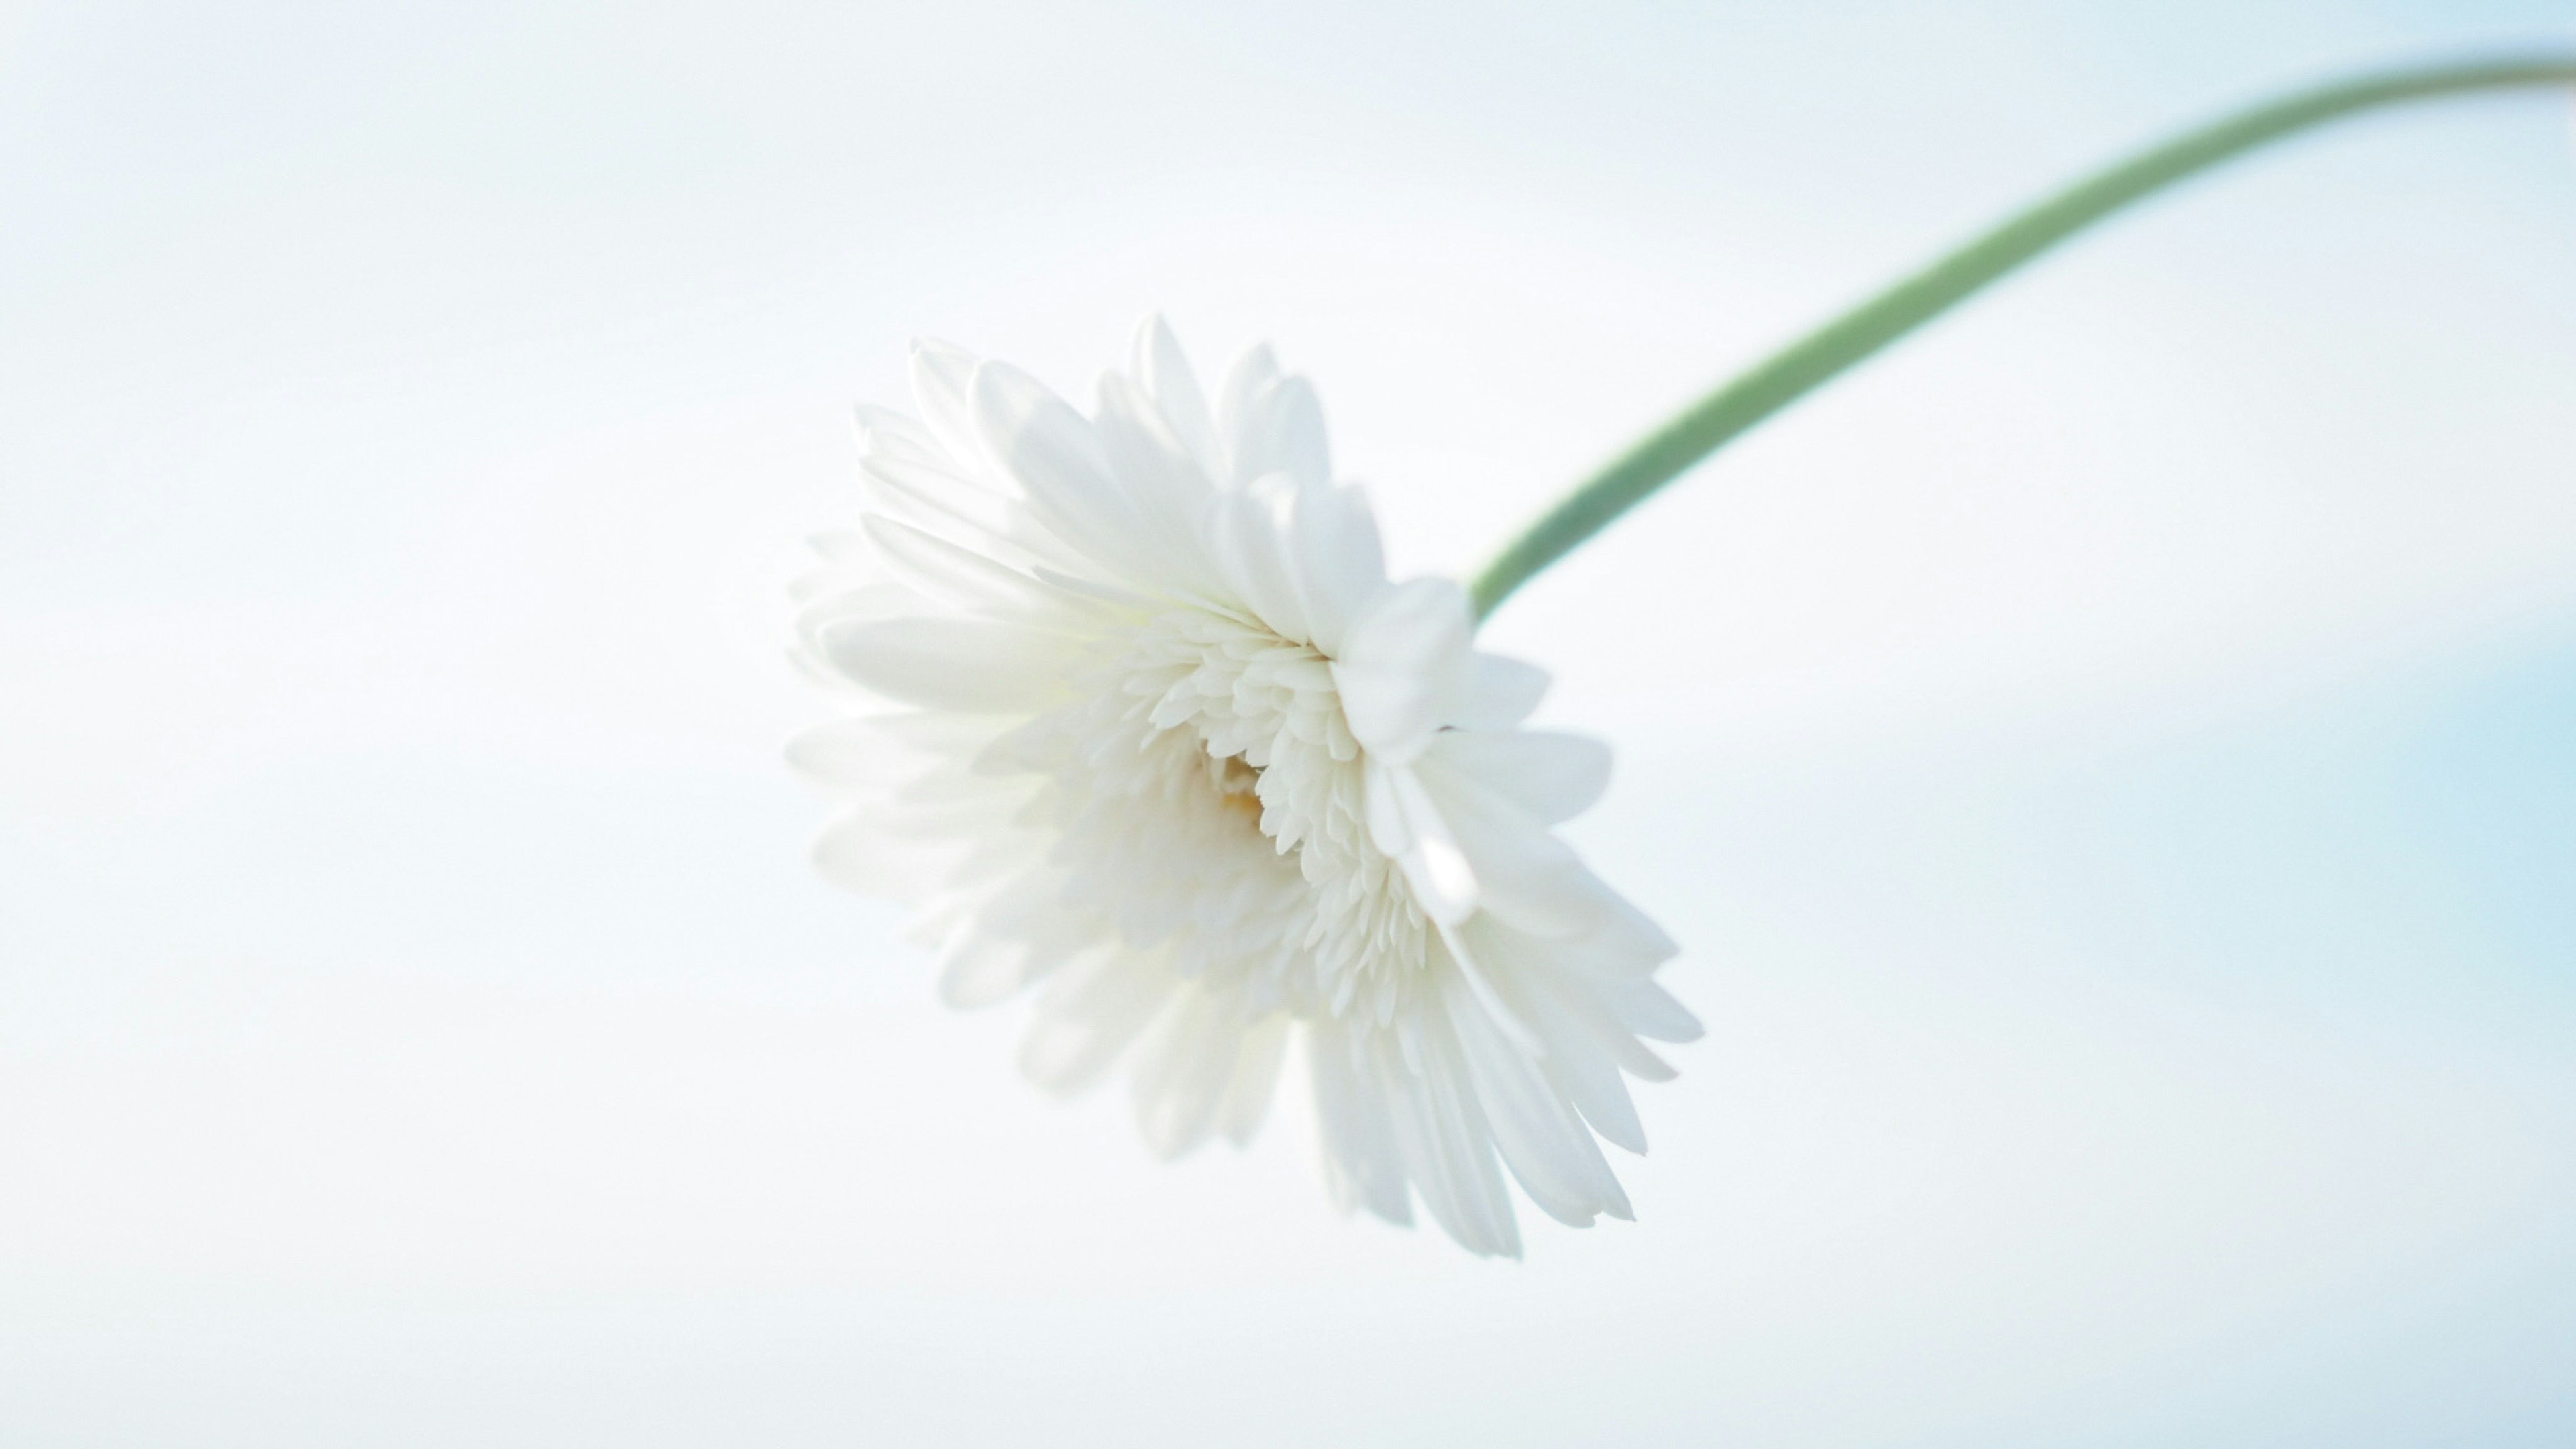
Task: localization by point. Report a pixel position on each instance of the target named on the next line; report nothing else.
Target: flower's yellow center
(1215, 807)
(1237, 784)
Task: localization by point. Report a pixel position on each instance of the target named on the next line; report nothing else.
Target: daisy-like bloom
(1137, 718)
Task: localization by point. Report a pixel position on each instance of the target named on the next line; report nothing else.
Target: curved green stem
(1795, 370)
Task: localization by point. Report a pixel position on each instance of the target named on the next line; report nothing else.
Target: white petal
(1278, 427)
(1184, 1065)
(857, 853)
(884, 433)
(1564, 1014)
(1052, 452)
(942, 378)
(1542, 1139)
(997, 854)
(858, 754)
(1046, 445)
(1501, 693)
(1362, 1167)
(1554, 777)
(1625, 944)
(962, 664)
(1481, 986)
(1560, 994)
(1168, 486)
(1165, 375)
(881, 599)
(1448, 1151)
(1582, 1070)
(934, 498)
(1247, 539)
(1337, 563)
(1011, 940)
(1405, 670)
(1616, 959)
(1236, 403)
(969, 580)
(978, 969)
(1089, 1014)
(1523, 874)
(1653, 1013)
(1256, 1075)
(1405, 825)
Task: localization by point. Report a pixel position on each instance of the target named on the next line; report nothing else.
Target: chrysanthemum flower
(1139, 719)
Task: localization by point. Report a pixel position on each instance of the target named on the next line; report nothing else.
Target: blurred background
(2111, 763)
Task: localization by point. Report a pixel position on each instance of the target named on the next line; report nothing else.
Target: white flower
(1139, 716)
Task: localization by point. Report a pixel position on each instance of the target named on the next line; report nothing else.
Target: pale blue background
(2112, 764)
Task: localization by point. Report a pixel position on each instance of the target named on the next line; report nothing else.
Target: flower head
(1138, 719)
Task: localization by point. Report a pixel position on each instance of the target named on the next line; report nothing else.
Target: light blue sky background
(2111, 763)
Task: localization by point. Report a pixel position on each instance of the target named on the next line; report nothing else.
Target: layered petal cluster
(1136, 718)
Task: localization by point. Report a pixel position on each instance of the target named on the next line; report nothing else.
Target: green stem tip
(1803, 365)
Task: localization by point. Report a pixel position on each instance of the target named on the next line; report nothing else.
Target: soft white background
(2111, 763)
